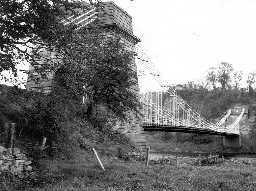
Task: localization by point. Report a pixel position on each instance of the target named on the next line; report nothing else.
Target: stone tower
(109, 18)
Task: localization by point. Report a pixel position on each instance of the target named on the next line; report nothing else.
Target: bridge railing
(224, 118)
(234, 127)
(156, 114)
(170, 112)
(195, 119)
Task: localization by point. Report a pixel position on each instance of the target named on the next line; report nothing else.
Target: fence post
(7, 134)
(200, 162)
(12, 135)
(147, 156)
(43, 144)
(95, 152)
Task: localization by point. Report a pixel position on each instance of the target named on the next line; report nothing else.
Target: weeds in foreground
(131, 175)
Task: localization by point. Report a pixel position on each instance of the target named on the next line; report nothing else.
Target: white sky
(185, 38)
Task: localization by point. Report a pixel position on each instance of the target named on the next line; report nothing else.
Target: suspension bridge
(164, 109)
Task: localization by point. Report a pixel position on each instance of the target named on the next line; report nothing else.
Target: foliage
(60, 120)
(90, 64)
(237, 78)
(99, 67)
(212, 77)
(36, 115)
(251, 81)
(249, 141)
(25, 22)
(251, 78)
(224, 74)
(213, 103)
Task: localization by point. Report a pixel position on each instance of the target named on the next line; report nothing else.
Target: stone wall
(14, 161)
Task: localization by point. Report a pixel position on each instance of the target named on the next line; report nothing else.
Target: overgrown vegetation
(86, 175)
(213, 103)
(220, 91)
(27, 23)
(98, 69)
(66, 129)
(94, 72)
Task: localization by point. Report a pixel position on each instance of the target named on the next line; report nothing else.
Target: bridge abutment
(232, 141)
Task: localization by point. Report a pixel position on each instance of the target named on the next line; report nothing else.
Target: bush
(61, 120)
(209, 160)
(213, 103)
(8, 181)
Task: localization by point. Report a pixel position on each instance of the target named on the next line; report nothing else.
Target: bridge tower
(109, 18)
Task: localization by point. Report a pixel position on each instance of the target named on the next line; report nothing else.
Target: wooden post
(147, 156)
(12, 135)
(43, 144)
(6, 131)
(95, 152)
(83, 100)
(200, 162)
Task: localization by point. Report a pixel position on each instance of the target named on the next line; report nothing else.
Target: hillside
(74, 167)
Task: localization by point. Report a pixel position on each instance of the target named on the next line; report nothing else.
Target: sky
(185, 38)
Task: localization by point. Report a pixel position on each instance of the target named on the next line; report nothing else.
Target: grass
(85, 174)
(164, 142)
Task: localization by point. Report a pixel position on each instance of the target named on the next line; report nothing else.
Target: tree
(99, 67)
(250, 81)
(251, 78)
(92, 64)
(26, 23)
(212, 77)
(89, 63)
(224, 74)
(237, 78)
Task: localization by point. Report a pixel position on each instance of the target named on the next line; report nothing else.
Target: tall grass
(131, 175)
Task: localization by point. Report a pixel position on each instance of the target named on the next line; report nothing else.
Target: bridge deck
(184, 129)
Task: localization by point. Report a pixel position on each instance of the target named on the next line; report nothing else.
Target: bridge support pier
(232, 141)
